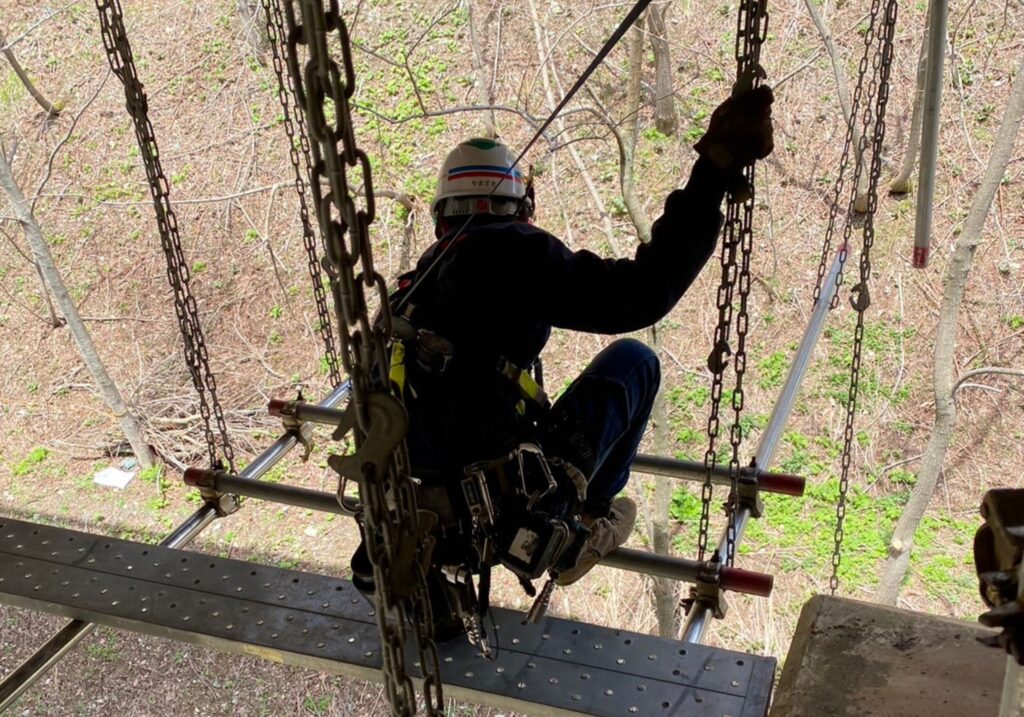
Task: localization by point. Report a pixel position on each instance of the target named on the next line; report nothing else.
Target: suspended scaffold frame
(555, 667)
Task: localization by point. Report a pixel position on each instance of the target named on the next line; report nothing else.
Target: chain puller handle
(390, 516)
(874, 119)
(119, 55)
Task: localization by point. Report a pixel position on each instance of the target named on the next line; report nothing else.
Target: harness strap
(524, 382)
(397, 372)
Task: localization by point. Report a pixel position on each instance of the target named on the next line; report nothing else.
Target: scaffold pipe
(695, 471)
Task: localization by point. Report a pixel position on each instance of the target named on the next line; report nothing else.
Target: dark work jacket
(500, 290)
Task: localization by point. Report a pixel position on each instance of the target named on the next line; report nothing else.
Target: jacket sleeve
(581, 291)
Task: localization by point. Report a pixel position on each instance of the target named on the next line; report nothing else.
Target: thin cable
(608, 46)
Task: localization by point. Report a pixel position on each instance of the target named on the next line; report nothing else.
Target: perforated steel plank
(557, 668)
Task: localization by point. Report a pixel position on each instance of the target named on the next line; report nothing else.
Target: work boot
(606, 534)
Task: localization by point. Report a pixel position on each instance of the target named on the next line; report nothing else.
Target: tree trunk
(52, 109)
(627, 142)
(480, 70)
(900, 184)
(860, 203)
(664, 594)
(544, 55)
(666, 119)
(44, 260)
(945, 365)
(254, 29)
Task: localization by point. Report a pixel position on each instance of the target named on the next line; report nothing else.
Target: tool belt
(519, 510)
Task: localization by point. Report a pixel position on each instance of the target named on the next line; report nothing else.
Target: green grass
(11, 89)
(31, 462)
(800, 532)
(317, 705)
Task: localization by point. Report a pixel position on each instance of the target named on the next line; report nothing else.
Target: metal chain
(390, 515)
(299, 152)
(119, 54)
(751, 31)
(844, 162)
(882, 63)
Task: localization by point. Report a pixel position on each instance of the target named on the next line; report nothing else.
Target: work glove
(740, 129)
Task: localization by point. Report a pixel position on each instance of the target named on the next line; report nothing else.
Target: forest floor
(215, 112)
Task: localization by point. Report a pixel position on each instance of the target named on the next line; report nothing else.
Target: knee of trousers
(645, 366)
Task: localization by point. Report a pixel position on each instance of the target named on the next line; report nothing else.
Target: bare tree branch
(534, 122)
(28, 31)
(64, 140)
(1019, 373)
(954, 287)
(44, 260)
(860, 202)
(52, 110)
(482, 85)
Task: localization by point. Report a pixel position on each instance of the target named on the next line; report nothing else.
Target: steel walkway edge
(559, 667)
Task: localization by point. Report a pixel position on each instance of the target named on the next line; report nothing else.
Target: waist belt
(473, 495)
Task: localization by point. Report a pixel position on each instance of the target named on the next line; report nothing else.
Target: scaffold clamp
(296, 427)
(707, 590)
(205, 479)
(748, 493)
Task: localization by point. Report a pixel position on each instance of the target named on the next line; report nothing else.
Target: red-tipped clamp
(781, 483)
(746, 581)
(199, 477)
(278, 407)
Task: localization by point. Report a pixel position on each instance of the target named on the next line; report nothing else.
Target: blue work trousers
(606, 411)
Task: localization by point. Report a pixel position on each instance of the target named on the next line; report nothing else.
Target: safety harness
(519, 509)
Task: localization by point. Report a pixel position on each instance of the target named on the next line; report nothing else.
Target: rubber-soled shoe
(606, 534)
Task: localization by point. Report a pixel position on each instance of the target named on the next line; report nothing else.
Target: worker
(483, 299)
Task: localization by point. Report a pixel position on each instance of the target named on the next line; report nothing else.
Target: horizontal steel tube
(662, 566)
(768, 481)
(684, 570)
(289, 495)
(37, 664)
(305, 411)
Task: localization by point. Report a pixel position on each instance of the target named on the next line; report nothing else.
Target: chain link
(119, 54)
(299, 153)
(390, 518)
(844, 163)
(737, 240)
(873, 119)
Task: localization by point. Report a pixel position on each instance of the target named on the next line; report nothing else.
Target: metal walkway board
(559, 667)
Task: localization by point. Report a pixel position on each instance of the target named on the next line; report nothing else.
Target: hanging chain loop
(299, 153)
(737, 245)
(873, 120)
(396, 536)
(119, 54)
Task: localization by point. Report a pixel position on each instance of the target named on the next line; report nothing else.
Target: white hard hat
(479, 174)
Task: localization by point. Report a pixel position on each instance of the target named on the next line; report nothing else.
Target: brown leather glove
(740, 130)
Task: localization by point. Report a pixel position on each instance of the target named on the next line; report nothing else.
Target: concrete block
(855, 658)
